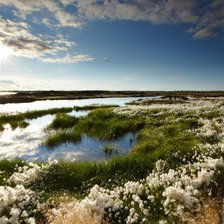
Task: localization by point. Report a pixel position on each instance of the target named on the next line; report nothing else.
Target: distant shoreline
(31, 96)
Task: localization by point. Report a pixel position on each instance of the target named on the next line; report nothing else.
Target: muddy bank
(31, 96)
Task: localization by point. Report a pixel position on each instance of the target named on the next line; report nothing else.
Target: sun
(5, 52)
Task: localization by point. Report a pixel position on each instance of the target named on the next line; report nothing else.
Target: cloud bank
(205, 19)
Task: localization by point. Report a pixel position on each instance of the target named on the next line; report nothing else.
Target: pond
(25, 143)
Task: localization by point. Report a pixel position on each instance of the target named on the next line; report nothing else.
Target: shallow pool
(25, 143)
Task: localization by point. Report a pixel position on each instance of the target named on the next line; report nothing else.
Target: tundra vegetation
(172, 175)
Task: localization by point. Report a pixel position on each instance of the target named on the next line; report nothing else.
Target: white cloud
(211, 22)
(46, 22)
(65, 42)
(172, 11)
(206, 21)
(69, 59)
(203, 33)
(207, 18)
(16, 36)
(26, 7)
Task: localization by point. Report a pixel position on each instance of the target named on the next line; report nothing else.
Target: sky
(112, 45)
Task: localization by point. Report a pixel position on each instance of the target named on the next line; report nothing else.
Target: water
(25, 143)
(47, 104)
(86, 149)
(6, 93)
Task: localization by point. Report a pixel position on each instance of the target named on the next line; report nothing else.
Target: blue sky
(112, 45)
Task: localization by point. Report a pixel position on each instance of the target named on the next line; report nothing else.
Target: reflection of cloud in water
(69, 156)
(23, 142)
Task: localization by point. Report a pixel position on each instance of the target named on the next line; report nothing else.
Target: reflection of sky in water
(7, 93)
(87, 148)
(78, 113)
(47, 104)
(25, 143)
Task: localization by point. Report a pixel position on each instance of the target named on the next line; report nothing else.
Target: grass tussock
(63, 121)
(62, 137)
(102, 124)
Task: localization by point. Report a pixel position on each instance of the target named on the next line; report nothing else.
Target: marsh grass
(160, 136)
(18, 120)
(62, 137)
(94, 106)
(101, 124)
(63, 121)
(110, 149)
(78, 177)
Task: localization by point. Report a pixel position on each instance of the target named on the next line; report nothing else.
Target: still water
(25, 143)
(47, 104)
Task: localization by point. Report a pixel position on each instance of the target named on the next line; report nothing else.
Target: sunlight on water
(25, 143)
(7, 93)
(47, 104)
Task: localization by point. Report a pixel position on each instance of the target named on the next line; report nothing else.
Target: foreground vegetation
(175, 165)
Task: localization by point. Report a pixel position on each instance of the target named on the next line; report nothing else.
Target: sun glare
(5, 52)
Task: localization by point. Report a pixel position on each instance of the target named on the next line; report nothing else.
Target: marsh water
(25, 143)
(48, 104)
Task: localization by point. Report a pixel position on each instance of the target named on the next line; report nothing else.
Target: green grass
(94, 106)
(162, 136)
(18, 120)
(102, 124)
(159, 137)
(62, 137)
(78, 177)
(63, 121)
(7, 168)
(110, 149)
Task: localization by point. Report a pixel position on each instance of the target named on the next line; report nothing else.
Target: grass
(62, 137)
(162, 135)
(63, 121)
(94, 106)
(79, 176)
(102, 124)
(158, 138)
(109, 149)
(156, 141)
(7, 168)
(18, 120)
